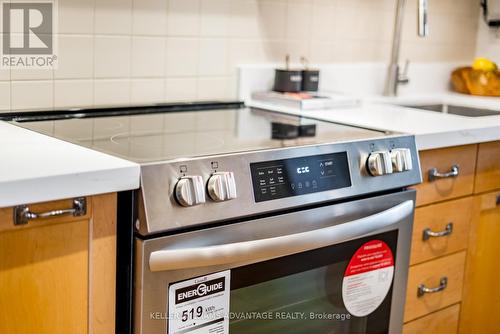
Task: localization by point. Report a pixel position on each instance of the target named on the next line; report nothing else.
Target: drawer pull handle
(422, 289)
(428, 233)
(23, 214)
(435, 174)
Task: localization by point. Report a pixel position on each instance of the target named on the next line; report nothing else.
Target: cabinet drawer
(442, 161)
(441, 322)
(441, 229)
(488, 167)
(430, 275)
(7, 214)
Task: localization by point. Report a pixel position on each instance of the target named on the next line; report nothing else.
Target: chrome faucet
(394, 77)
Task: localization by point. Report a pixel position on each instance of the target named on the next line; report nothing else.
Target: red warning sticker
(368, 278)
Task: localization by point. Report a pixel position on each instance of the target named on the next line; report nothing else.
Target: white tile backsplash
(147, 91)
(113, 17)
(183, 17)
(148, 57)
(29, 74)
(272, 19)
(214, 88)
(244, 19)
(76, 16)
(112, 56)
(4, 95)
(76, 59)
(148, 51)
(180, 89)
(31, 95)
(73, 93)
(182, 56)
(322, 25)
(214, 18)
(111, 91)
(299, 20)
(213, 57)
(149, 17)
(4, 74)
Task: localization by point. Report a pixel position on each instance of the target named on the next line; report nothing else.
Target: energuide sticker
(200, 305)
(368, 278)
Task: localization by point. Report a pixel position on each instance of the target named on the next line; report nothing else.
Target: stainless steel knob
(401, 160)
(190, 190)
(379, 163)
(222, 186)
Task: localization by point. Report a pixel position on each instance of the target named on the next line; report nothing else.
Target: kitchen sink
(457, 110)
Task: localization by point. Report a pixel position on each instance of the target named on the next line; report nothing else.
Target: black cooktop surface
(156, 136)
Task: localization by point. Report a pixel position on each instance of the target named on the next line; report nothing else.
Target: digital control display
(299, 176)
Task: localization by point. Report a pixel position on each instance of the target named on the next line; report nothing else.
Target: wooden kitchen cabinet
(451, 219)
(488, 167)
(444, 204)
(57, 275)
(443, 161)
(441, 322)
(430, 275)
(481, 300)
(470, 253)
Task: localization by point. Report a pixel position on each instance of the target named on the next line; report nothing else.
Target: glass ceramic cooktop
(167, 136)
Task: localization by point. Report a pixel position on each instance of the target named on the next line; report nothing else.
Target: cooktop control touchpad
(298, 176)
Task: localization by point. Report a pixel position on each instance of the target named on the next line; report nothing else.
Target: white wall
(488, 42)
(145, 51)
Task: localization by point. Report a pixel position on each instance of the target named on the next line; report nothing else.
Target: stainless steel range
(249, 221)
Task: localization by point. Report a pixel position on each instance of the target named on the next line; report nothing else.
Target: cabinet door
(488, 167)
(44, 279)
(481, 299)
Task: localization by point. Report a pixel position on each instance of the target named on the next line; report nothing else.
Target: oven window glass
(302, 293)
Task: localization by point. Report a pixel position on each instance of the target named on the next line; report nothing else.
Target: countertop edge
(39, 168)
(57, 187)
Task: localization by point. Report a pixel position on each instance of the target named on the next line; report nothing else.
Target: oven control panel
(188, 192)
(298, 176)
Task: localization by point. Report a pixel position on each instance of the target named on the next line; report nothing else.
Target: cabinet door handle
(23, 214)
(428, 233)
(422, 289)
(435, 174)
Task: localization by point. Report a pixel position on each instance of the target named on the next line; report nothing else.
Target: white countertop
(38, 168)
(432, 129)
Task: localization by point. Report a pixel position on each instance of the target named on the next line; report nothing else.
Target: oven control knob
(379, 163)
(222, 186)
(190, 190)
(401, 160)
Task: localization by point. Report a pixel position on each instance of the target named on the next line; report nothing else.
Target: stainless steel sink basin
(457, 110)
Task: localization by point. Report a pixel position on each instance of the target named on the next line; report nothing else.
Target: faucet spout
(394, 77)
(423, 26)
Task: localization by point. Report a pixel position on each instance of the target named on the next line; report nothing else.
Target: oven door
(340, 268)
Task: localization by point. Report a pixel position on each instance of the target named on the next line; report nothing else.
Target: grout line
(197, 70)
(93, 54)
(93, 51)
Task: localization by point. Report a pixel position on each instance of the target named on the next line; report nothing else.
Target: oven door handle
(255, 250)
